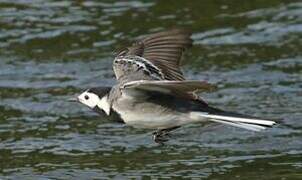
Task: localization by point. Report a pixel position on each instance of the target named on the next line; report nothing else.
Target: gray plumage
(152, 92)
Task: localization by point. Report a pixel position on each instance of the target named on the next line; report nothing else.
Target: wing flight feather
(186, 89)
(162, 50)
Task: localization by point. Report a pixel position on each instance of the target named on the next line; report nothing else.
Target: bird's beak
(73, 99)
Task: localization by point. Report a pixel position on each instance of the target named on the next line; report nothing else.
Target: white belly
(151, 121)
(155, 119)
(152, 116)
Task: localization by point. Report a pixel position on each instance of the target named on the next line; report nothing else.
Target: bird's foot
(160, 137)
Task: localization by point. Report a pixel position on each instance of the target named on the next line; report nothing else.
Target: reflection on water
(51, 50)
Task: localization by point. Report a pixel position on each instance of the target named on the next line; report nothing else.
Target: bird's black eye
(86, 97)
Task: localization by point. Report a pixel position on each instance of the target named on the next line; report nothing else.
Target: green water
(52, 50)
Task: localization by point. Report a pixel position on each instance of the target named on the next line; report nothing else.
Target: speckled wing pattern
(156, 57)
(132, 68)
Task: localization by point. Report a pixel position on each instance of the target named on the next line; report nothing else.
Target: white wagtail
(152, 93)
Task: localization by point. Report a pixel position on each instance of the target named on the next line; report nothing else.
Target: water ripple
(52, 50)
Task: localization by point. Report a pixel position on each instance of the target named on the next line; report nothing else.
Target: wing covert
(160, 51)
(185, 89)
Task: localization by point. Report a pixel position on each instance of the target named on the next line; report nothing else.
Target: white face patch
(89, 99)
(92, 100)
(103, 104)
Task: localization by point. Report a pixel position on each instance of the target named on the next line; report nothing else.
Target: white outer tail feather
(245, 123)
(243, 120)
(250, 127)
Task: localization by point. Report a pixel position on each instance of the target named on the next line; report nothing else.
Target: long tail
(237, 120)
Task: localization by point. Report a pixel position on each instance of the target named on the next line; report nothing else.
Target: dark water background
(51, 50)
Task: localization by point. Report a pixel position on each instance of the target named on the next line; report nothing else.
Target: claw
(160, 137)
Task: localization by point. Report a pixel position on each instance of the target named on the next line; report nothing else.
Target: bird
(152, 93)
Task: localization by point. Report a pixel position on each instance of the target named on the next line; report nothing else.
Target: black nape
(100, 91)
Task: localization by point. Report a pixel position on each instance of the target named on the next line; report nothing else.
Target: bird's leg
(160, 136)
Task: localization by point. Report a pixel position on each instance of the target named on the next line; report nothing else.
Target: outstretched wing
(155, 57)
(185, 89)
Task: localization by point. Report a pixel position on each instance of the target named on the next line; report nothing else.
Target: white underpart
(148, 115)
(152, 120)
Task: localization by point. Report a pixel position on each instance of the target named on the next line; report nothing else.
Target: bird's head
(96, 99)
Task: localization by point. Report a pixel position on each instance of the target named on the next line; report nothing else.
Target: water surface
(51, 50)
